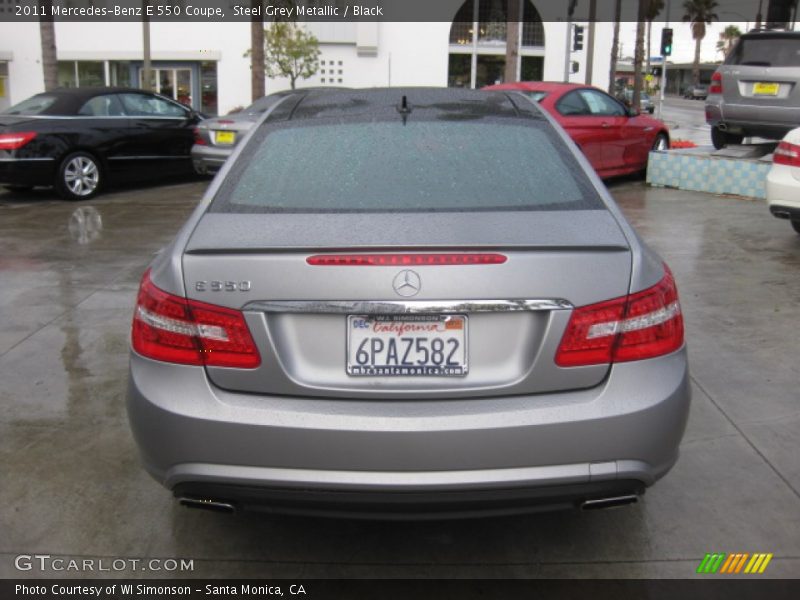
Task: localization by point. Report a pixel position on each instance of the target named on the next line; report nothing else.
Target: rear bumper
(751, 120)
(27, 172)
(208, 159)
(783, 191)
(410, 505)
(383, 457)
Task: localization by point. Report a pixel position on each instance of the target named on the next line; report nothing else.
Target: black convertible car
(77, 140)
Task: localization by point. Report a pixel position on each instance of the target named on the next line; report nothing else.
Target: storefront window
(478, 49)
(81, 73)
(66, 74)
(120, 73)
(490, 70)
(208, 88)
(532, 68)
(91, 74)
(459, 71)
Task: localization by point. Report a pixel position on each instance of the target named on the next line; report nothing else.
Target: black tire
(796, 226)
(661, 142)
(720, 138)
(19, 189)
(79, 176)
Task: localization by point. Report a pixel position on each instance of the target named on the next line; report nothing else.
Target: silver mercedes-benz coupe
(407, 302)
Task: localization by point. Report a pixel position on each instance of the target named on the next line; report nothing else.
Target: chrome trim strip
(382, 307)
(25, 159)
(128, 117)
(183, 156)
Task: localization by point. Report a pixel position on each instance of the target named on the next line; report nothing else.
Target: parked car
(215, 138)
(407, 301)
(645, 101)
(77, 140)
(783, 180)
(616, 139)
(696, 92)
(756, 91)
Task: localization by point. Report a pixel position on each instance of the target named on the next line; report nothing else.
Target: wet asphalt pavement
(71, 484)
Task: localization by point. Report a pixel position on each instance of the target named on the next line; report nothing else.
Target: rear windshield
(261, 105)
(766, 52)
(32, 106)
(536, 96)
(419, 166)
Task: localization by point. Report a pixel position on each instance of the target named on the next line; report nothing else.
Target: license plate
(765, 89)
(407, 345)
(225, 137)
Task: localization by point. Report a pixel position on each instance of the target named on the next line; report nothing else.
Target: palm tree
(256, 52)
(638, 55)
(47, 35)
(699, 13)
(612, 79)
(513, 18)
(654, 8)
(727, 39)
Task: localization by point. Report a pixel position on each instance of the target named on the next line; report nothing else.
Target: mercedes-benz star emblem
(407, 283)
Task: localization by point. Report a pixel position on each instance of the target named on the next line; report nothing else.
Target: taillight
(173, 329)
(716, 83)
(396, 260)
(198, 137)
(787, 154)
(15, 141)
(639, 326)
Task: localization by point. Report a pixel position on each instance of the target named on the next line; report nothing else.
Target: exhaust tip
(610, 502)
(207, 504)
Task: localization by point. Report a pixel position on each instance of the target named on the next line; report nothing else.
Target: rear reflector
(716, 83)
(394, 260)
(787, 154)
(15, 141)
(173, 329)
(198, 137)
(642, 325)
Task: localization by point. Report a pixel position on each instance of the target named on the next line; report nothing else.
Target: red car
(615, 139)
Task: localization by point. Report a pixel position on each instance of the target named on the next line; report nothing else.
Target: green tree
(727, 39)
(699, 13)
(290, 51)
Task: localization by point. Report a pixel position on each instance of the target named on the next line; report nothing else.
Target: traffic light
(666, 41)
(577, 38)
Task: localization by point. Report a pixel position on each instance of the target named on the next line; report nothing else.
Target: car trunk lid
(515, 311)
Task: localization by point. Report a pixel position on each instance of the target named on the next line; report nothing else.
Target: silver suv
(756, 91)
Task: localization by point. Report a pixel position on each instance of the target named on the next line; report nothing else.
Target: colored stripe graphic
(711, 563)
(734, 563)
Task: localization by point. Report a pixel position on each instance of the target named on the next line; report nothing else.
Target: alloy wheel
(81, 176)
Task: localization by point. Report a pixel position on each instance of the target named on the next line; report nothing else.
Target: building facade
(205, 65)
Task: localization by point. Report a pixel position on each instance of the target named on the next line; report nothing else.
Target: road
(72, 485)
(686, 120)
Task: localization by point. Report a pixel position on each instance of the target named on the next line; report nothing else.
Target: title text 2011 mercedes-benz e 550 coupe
(407, 302)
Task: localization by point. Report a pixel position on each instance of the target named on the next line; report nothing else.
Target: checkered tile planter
(703, 173)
